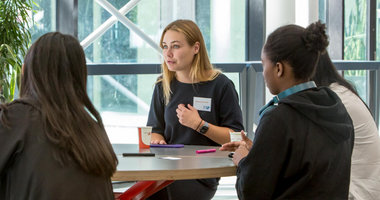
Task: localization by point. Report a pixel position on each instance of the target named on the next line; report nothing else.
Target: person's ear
(22, 69)
(196, 47)
(279, 69)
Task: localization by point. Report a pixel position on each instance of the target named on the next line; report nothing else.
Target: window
(44, 18)
(355, 37)
(378, 31)
(123, 100)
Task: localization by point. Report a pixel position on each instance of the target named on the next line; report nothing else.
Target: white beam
(106, 5)
(106, 25)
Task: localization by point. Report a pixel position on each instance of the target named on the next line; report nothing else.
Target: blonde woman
(192, 103)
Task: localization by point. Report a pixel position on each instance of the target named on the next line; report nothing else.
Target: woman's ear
(279, 69)
(22, 69)
(196, 47)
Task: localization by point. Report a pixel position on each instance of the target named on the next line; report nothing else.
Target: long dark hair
(326, 74)
(298, 46)
(55, 76)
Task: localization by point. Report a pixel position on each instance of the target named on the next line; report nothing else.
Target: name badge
(203, 104)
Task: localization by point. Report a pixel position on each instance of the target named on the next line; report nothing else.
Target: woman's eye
(175, 47)
(165, 47)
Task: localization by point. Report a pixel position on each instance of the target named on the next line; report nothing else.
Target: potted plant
(15, 39)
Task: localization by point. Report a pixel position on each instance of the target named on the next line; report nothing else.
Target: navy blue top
(225, 110)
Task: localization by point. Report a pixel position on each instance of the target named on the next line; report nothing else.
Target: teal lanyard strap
(298, 88)
(294, 89)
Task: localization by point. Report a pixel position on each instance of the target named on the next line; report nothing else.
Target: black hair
(326, 74)
(298, 46)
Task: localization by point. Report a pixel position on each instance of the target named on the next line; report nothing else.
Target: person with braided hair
(304, 140)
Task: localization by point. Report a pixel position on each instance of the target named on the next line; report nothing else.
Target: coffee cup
(145, 133)
(236, 136)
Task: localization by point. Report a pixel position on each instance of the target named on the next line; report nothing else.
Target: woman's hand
(233, 146)
(157, 139)
(158, 142)
(239, 154)
(248, 142)
(188, 117)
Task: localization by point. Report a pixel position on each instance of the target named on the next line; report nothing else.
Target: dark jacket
(302, 150)
(28, 169)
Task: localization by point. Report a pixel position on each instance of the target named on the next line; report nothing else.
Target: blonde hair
(201, 66)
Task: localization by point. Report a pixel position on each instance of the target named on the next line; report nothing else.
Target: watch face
(204, 129)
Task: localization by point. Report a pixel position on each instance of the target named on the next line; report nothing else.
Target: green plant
(15, 39)
(9, 71)
(355, 35)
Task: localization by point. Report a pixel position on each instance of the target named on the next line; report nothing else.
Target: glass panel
(355, 37)
(123, 101)
(378, 31)
(322, 10)
(358, 79)
(44, 18)
(236, 80)
(377, 57)
(222, 24)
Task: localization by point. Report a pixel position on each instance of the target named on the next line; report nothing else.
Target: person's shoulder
(221, 78)
(19, 105)
(17, 112)
(159, 82)
(337, 88)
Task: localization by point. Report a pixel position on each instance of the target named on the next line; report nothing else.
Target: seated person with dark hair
(303, 143)
(52, 140)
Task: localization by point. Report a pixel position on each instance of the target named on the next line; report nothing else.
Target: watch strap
(204, 128)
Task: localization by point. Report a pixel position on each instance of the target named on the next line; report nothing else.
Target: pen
(138, 154)
(206, 151)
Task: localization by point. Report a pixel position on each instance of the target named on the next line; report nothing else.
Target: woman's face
(178, 54)
(269, 73)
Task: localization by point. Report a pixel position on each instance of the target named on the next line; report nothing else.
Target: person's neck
(291, 83)
(184, 77)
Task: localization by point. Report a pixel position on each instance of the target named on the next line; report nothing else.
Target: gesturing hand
(188, 116)
(248, 142)
(233, 146)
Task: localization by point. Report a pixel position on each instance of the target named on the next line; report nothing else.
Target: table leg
(143, 189)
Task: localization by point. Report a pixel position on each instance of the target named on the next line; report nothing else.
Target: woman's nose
(169, 52)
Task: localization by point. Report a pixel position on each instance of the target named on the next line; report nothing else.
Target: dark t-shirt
(28, 169)
(224, 110)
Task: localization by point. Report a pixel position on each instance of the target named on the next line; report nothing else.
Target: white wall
(283, 12)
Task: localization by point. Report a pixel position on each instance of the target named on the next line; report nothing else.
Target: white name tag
(203, 104)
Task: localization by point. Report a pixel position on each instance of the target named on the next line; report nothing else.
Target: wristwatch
(204, 128)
